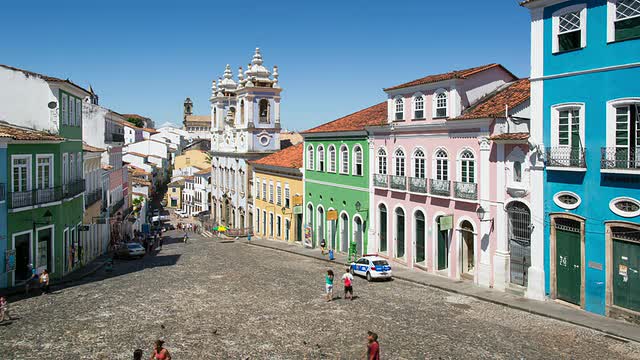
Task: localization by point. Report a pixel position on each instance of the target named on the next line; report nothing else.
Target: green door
(626, 277)
(443, 249)
(568, 265)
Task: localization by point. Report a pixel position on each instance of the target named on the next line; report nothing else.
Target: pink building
(449, 183)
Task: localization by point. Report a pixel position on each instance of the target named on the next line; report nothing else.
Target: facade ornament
(275, 76)
(485, 143)
(240, 78)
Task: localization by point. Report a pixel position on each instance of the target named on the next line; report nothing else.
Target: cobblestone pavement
(213, 299)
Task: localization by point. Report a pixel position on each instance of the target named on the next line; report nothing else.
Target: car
(372, 267)
(131, 250)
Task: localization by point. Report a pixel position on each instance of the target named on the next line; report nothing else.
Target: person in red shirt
(373, 348)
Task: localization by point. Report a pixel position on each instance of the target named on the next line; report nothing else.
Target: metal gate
(519, 232)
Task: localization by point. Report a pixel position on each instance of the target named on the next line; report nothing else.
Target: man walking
(347, 279)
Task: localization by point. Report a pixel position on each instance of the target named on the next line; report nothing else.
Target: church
(245, 126)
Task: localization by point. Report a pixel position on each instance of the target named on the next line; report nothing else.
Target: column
(372, 239)
(501, 257)
(483, 277)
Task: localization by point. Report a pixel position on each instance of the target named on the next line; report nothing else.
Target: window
(320, 158)
(627, 136)
(258, 220)
(271, 192)
(278, 194)
(242, 119)
(65, 169)
(567, 200)
(399, 105)
(264, 190)
(79, 163)
(398, 158)
(21, 173)
(517, 171)
(442, 165)
(568, 127)
(418, 164)
(264, 111)
(418, 107)
(382, 162)
(357, 161)
(79, 112)
(467, 167)
(332, 158)
(310, 157)
(440, 104)
(72, 111)
(72, 167)
(569, 28)
(279, 226)
(344, 159)
(65, 109)
(625, 207)
(287, 196)
(624, 20)
(44, 171)
(257, 188)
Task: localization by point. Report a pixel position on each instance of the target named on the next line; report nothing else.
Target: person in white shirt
(347, 279)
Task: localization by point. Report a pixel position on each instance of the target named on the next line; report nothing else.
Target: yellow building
(197, 158)
(174, 194)
(277, 195)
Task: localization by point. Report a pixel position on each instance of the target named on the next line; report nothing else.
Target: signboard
(332, 215)
(307, 236)
(297, 200)
(297, 209)
(10, 260)
(446, 222)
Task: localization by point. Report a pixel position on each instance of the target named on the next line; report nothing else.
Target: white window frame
(264, 190)
(445, 163)
(51, 166)
(29, 171)
(79, 163)
(397, 170)
(555, 122)
(271, 192)
(398, 102)
(64, 108)
(287, 195)
(355, 161)
(279, 194)
(555, 25)
(382, 160)
(414, 107)
(435, 106)
(332, 158)
(310, 158)
(556, 200)
(344, 163)
(423, 159)
(615, 210)
(461, 160)
(611, 20)
(611, 116)
(322, 166)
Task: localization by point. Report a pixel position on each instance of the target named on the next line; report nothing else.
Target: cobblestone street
(216, 299)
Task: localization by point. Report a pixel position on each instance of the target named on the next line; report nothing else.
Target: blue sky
(334, 57)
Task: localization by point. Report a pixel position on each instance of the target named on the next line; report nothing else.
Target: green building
(337, 178)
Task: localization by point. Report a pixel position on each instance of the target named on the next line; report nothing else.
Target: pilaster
(484, 270)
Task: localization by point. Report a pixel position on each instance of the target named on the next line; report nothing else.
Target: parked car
(372, 267)
(131, 250)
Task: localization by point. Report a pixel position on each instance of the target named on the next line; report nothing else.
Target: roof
(136, 154)
(456, 74)
(135, 167)
(176, 183)
(24, 134)
(150, 130)
(188, 178)
(138, 181)
(107, 167)
(204, 171)
(199, 118)
(371, 116)
(290, 157)
(44, 77)
(135, 116)
(510, 136)
(89, 148)
(128, 124)
(494, 104)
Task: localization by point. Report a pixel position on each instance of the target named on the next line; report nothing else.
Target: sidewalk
(548, 308)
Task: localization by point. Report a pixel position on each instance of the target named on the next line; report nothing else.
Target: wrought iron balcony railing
(18, 199)
(440, 187)
(398, 182)
(465, 190)
(73, 188)
(566, 157)
(381, 180)
(115, 207)
(626, 158)
(418, 185)
(93, 197)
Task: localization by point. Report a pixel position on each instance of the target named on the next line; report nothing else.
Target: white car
(131, 250)
(372, 267)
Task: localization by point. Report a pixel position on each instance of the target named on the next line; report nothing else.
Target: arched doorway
(519, 232)
(344, 233)
(357, 234)
(382, 220)
(468, 250)
(623, 277)
(400, 240)
(320, 224)
(420, 237)
(442, 233)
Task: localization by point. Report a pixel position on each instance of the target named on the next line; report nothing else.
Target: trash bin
(331, 257)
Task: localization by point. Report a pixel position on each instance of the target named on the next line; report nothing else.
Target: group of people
(42, 280)
(347, 280)
(159, 352)
(188, 227)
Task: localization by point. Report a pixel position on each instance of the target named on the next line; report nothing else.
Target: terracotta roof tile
(204, 171)
(493, 105)
(90, 148)
(136, 154)
(371, 116)
(290, 157)
(199, 118)
(23, 134)
(510, 136)
(44, 77)
(150, 130)
(456, 74)
(138, 181)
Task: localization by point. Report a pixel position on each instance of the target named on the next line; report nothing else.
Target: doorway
(443, 245)
(519, 231)
(400, 240)
(468, 250)
(420, 237)
(321, 224)
(45, 244)
(344, 233)
(298, 227)
(357, 233)
(22, 245)
(623, 277)
(568, 260)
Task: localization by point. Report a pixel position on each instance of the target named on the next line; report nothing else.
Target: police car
(372, 267)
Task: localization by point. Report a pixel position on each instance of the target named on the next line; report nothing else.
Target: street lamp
(47, 216)
(358, 206)
(483, 214)
(284, 210)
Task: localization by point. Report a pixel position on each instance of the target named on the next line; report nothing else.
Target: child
(347, 278)
(373, 348)
(3, 309)
(322, 246)
(329, 285)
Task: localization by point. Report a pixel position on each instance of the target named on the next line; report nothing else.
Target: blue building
(3, 211)
(585, 103)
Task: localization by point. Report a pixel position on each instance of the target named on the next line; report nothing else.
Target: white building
(245, 126)
(202, 190)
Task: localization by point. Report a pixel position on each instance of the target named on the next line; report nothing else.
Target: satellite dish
(52, 104)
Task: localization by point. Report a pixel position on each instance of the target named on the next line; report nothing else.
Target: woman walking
(44, 281)
(159, 352)
(329, 285)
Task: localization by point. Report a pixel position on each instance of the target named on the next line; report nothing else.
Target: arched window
(382, 162)
(398, 158)
(344, 159)
(231, 115)
(418, 107)
(382, 220)
(440, 104)
(467, 167)
(332, 158)
(264, 108)
(320, 158)
(399, 104)
(357, 161)
(418, 164)
(242, 119)
(517, 171)
(310, 157)
(442, 165)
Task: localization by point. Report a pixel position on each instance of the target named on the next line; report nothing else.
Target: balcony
(73, 188)
(465, 190)
(440, 187)
(398, 182)
(381, 180)
(620, 160)
(117, 138)
(92, 198)
(115, 207)
(418, 185)
(566, 158)
(18, 199)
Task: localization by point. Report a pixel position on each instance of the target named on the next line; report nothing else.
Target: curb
(478, 297)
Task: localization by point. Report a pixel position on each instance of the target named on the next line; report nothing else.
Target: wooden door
(568, 265)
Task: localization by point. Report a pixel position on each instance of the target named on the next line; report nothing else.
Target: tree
(135, 121)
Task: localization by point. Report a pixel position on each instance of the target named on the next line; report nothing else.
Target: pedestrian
(160, 242)
(347, 278)
(137, 354)
(322, 246)
(4, 311)
(32, 281)
(44, 281)
(329, 285)
(159, 352)
(373, 348)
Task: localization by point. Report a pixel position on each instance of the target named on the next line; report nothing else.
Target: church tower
(188, 110)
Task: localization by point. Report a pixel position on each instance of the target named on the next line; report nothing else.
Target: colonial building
(245, 119)
(95, 237)
(585, 99)
(197, 126)
(277, 195)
